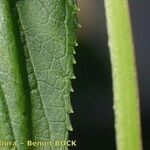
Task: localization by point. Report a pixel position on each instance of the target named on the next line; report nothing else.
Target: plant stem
(125, 88)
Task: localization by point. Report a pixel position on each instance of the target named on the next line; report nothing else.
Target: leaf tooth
(73, 60)
(74, 51)
(76, 43)
(73, 77)
(79, 25)
(70, 109)
(68, 123)
(68, 106)
(71, 88)
(70, 84)
(76, 8)
(76, 23)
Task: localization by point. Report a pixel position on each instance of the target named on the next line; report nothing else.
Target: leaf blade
(53, 52)
(13, 95)
(41, 87)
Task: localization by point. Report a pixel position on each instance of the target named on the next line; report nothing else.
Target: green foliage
(126, 99)
(37, 39)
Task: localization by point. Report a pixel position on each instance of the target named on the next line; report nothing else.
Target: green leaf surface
(37, 40)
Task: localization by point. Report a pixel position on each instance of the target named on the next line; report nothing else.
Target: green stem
(125, 89)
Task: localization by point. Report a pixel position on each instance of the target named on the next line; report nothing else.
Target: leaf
(37, 40)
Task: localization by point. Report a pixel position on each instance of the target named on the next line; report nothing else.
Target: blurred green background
(92, 100)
